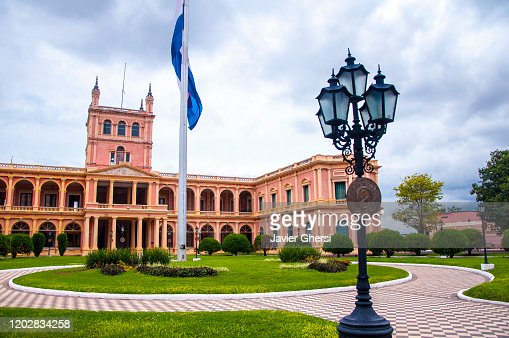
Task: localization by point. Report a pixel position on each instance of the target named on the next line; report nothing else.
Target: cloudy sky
(259, 66)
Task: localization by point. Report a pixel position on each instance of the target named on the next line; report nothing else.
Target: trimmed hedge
(235, 243)
(474, 239)
(332, 265)
(21, 243)
(99, 258)
(418, 242)
(155, 256)
(168, 271)
(263, 242)
(505, 240)
(449, 242)
(293, 254)
(62, 243)
(209, 245)
(38, 241)
(387, 240)
(5, 245)
(339, 245)
(112, 269)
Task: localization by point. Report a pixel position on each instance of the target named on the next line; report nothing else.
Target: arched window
(170, 236)
(121, 128)
(49, 230)
(107, 127)
(246, 231)
(135, 129)
(73, 232)
(225, 231)
(189, 237)
(120, 154)
(20, 228)
(207, 231)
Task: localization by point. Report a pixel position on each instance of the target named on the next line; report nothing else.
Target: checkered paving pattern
(427, 306)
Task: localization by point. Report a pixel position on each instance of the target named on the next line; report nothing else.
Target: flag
(194, 106)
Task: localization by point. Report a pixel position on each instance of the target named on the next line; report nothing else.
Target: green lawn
(247, 274)
(43, 260)
(498, 289)
(194, 324)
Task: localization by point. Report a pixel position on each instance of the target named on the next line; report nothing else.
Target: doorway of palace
(102, 234)
(123, 234)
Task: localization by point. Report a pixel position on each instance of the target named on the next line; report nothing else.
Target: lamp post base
(485, 267)
(364, 323)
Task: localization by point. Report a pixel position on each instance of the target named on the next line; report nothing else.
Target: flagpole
(182, 182)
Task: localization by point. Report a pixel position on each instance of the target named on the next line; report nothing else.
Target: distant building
(118, 200)
(470, 219)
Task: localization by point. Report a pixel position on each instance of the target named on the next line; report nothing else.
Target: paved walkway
(427, 306)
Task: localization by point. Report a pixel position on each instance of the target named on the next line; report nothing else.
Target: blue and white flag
(194, 106)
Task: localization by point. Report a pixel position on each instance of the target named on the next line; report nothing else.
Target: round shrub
(332, 265)
(112, 269)
(38, 241)
(22, 244)
(209, 245)
(5, 245)
(449, 242)
(62, 243)
(235, 243)
(263, 242)
(339, 245)
(296, 254)
(375, 251)
(505, 240)
(387, 240)
(474, 239)
(418, 242)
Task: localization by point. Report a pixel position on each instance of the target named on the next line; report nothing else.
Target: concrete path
(426, 306)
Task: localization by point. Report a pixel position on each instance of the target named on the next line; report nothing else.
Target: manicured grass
(247, 274)
(194, 324)
(498, 289)
(43, 260)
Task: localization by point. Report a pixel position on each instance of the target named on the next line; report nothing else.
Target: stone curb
(460, 294)
(181, 297)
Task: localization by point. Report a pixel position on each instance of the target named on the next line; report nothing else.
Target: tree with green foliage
(38, 241)
(5, 245)
(235, 243)
(209, 245)
(474, 239)
(493, 190)
(339, 245)
(505, 240)
(375, 251)
(449, 242)
(263, 242)
(417, 197)
(62, 243)
(22, 244)
(418, 242)
(387, 240)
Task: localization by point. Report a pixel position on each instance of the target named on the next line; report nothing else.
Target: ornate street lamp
(348, 89)
(480, 209)
(49, 243)
(196, 230)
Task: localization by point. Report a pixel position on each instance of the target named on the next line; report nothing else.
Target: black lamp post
(348, 88)
(50, 240)
(197, 234)
(483, 226)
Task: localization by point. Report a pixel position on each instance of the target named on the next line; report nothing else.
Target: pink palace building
(118, 201)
